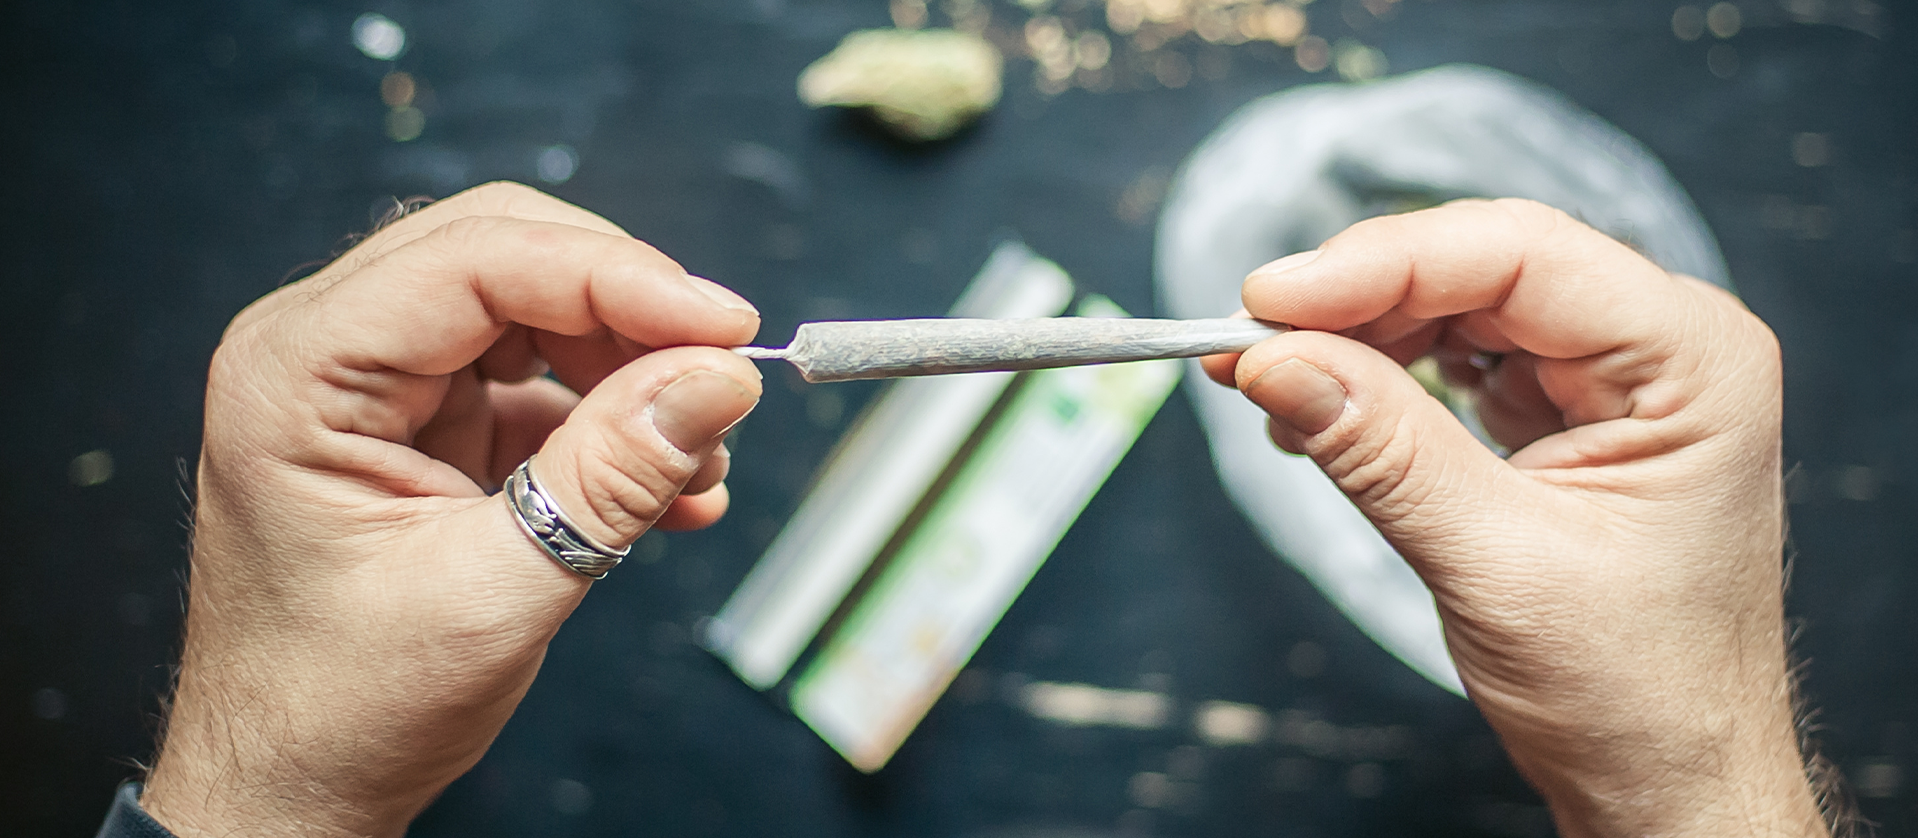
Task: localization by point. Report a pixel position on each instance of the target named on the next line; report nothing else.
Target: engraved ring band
(556, 534)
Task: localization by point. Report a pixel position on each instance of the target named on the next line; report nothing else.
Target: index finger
(499, 198)
(1524, 276)
(435, 304)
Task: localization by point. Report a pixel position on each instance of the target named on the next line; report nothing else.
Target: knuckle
(247, 354)
(500, 197)
(239, 329)
(229, 361)
(461, 234)
(1383, 227)
(1764, 341)
(1376, 468)
(457, 246)
(626, 493)
(1722, 300)
(1747, 340)
(1534, 220)
(252, 314)
(1759, 353)
(247, 405)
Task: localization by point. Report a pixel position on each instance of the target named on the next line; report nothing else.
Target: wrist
(225, 770)
(1780, 805)
(193, 796)
(1757, 787)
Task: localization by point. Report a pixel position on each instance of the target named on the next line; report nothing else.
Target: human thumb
(612, 469)
(1401, 456)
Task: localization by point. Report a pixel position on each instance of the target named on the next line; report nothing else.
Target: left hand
(364, 617)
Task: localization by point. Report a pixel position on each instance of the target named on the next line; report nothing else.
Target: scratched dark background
(167, 163)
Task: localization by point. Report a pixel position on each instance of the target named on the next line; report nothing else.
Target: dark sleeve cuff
(127, 820)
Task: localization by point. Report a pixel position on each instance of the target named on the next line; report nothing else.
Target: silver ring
(540, 518)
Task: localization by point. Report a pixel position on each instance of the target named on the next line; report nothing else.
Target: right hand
(1612, 592)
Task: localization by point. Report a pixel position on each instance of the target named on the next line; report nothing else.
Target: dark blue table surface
(167, 163)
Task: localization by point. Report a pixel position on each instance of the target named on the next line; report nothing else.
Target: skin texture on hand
(363, 616)
(1611, 593)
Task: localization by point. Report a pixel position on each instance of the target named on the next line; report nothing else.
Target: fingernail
(720, 294)
(1296, 260)
(1300, 395)
(700, 407)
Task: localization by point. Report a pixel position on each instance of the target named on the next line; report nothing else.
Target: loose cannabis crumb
(924, 84)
